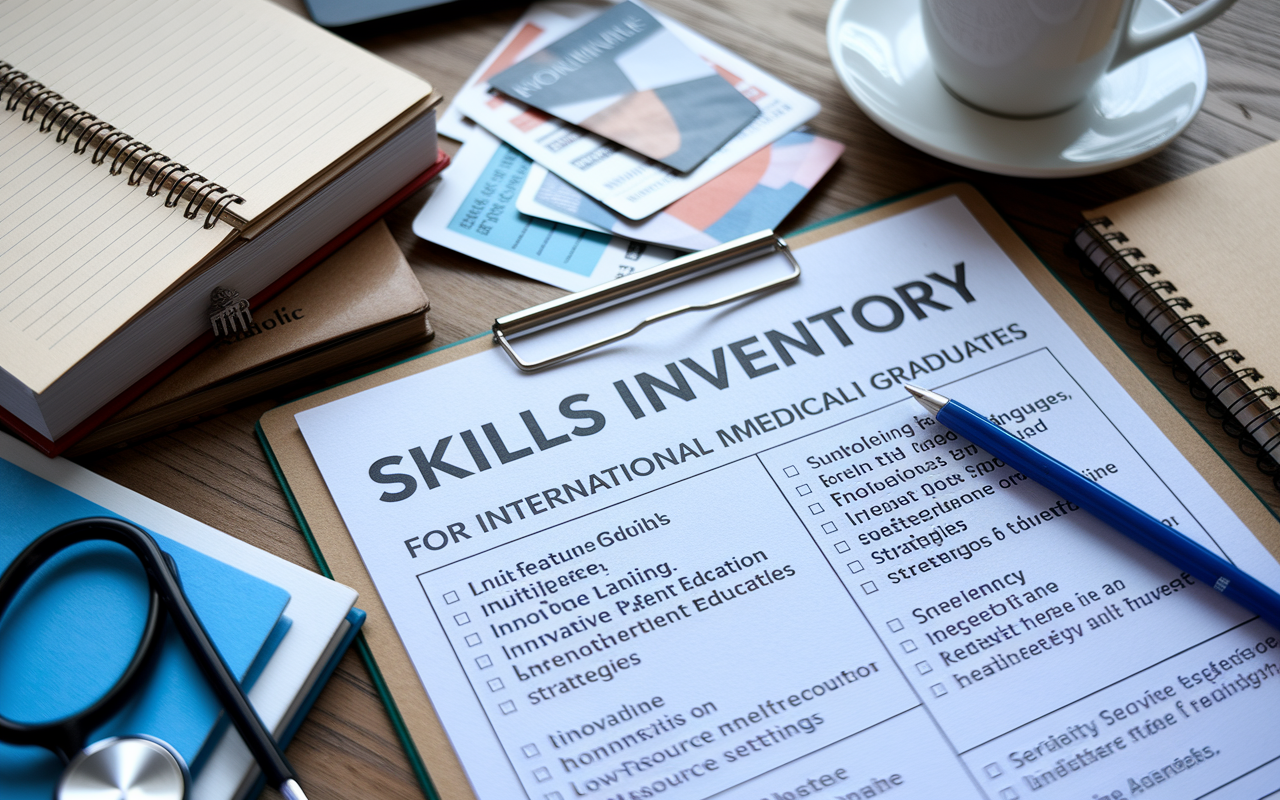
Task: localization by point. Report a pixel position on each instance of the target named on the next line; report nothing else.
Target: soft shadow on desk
(423, 17)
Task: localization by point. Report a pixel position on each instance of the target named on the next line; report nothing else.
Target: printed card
(752, 196)
(626, 77)
(627, 183)
(473, 211)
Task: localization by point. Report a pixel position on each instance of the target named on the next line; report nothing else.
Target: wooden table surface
(216, 472)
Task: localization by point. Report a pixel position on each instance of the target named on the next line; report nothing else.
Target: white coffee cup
(1031, 58)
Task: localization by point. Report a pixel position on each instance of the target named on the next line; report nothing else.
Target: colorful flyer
(755, 195)
(627, 183)
(626, 77)
(473, 211)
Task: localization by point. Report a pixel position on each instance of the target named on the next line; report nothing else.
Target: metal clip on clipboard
(673, 272)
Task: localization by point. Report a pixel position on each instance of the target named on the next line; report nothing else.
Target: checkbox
(507, 707)
(842, 547)
(938, 690)
(816, 508)
(924, 668)
(855, 567)
(869, 587)
(472, 639)
(529, 750)
(461, 619)
(828, 527)
(484, 662)
(894, 624)
(803, 489)
(790, 472)
(495, 684)
(1008, 793)
(993, 770)
(542, 774)
(451, 597)
(909, 646)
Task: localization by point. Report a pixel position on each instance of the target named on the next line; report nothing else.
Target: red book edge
(52, 448)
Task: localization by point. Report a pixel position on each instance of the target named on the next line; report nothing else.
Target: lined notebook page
(80, 251)
(240, 91)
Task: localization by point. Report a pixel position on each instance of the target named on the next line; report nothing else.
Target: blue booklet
(74, 626)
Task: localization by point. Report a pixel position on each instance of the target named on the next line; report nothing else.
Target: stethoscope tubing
(66, 736)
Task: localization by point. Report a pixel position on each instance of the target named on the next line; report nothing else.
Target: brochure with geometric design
(629, 79)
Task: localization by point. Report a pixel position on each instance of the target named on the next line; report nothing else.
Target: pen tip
(932, 401)
(291, 790)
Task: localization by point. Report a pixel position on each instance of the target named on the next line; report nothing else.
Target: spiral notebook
(1195, 259)
(153, 151)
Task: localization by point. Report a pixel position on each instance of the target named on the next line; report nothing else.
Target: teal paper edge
(362, 646)
(356, 617)
(251, 676)
(878, 204)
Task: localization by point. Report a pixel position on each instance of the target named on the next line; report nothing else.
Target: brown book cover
(362, 300)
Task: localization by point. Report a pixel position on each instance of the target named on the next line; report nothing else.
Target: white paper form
(732, 558)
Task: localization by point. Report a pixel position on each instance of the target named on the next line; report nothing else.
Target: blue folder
(72, 629)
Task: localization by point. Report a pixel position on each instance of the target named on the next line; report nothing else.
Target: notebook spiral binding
(1232, 393)
(39, 104)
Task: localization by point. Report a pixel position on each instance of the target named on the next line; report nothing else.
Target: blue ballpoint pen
(1141, 527)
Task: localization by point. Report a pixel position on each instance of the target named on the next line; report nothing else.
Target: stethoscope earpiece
(125, 767)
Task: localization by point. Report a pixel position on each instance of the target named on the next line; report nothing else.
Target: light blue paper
(72, 629)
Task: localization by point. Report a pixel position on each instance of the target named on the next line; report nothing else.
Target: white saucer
(878, 50)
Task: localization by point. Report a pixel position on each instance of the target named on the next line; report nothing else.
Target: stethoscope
(129, 766)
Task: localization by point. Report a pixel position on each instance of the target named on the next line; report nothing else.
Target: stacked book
(361, 301)
(601, 139)
(153, 153)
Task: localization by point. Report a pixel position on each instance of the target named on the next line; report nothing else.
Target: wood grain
(216, 472)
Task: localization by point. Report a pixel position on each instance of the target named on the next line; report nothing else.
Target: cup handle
(1133, 43)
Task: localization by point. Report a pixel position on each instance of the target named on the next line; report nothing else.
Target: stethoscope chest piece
(134, 767)
(125, 768)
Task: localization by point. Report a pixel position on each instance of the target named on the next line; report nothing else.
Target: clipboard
(438, 768)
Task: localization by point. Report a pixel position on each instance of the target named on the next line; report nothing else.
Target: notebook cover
(53, 448)
(1203, 248)
(1213, 234)
(42, 633)
(318, 608)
